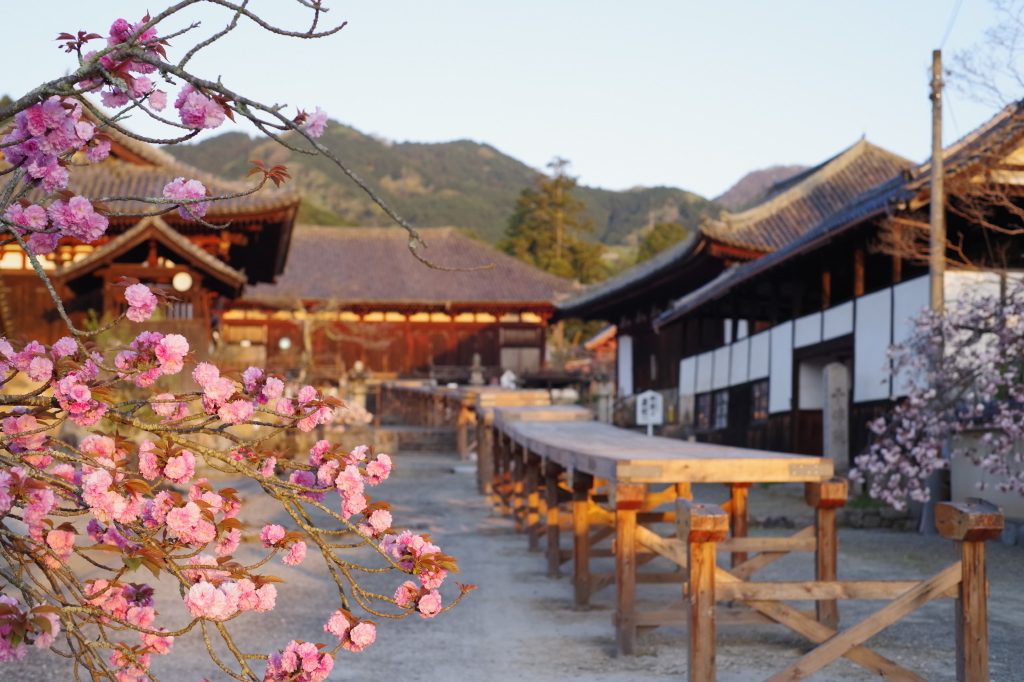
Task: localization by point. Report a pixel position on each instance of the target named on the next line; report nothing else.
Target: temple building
(203, 268)
(353, 295)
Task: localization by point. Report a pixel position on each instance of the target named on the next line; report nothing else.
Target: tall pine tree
(545, 228)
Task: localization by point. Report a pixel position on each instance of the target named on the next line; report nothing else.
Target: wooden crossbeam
(818, 633)
(852, 637)
(673, 550)
(790, 544)
(814, 590)
(756, 563)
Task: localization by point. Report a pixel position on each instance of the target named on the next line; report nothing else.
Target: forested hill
(463, 184)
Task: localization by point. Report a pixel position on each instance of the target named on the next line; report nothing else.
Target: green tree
(662, 236)
(545, 229)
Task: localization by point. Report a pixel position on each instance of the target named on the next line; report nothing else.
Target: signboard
(650, 410)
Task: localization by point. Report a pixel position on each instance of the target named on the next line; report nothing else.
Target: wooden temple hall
(203, 268)
(771, 318)
(353, 295)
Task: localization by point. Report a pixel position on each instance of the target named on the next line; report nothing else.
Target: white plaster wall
(705, 371)
(760, 356)
(837, 321)
(739, 362)
(780, 377)
(721, 370)
(872, 335)
(688, 375)
(807, 330)
(908, 298)
(625, 366)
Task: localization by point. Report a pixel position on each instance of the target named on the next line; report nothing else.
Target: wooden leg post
(485, 469)
(971, 524)
(740, 517)
(531, 485)
(826, 497)
(628, 500)
(551, 472)
(462, 431)
(700, 526)
(581, 485)
(504, 454)
(518, 484)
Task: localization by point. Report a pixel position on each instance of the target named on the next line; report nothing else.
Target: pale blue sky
(689, 93)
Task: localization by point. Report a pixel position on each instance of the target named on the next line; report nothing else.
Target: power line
(952, 21)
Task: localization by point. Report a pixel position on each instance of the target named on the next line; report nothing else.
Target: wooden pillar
(503, 464)
(826, 497)
(970, 524)
(628, 500)
(552, 492)
(518, 486)
(826, 289)
(581, 485)
(700, 526)
(740, 514)
(858, 272)
(897, 269)
(485, 470)
(531, 484)
(683, 490)
(465, 418)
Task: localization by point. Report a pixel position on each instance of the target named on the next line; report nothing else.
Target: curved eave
(660, 264)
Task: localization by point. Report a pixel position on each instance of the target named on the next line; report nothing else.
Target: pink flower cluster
(299, 662)
(62, 543)
(176, 468)
(309, 405)
(77, 218)
(214, 596)
(407, 549)
(26, 423)
(152, 355)
(426, 601)
(132, 603)
(354, 634)
(261, 387)
(52, 128)
(141, 302)
(219, 395)
(180, 189)
(75, 397)
(273, 535)
(138, 86)
(316, 122)
(350, 481)
(33, 217)
(197, 110)
(11, 625)
(171, 411)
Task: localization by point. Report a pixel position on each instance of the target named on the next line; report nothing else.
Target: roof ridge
(730, 222)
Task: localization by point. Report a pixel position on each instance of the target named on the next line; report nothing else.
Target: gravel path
(519, 625)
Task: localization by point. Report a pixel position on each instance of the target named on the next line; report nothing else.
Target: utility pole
(938, 192)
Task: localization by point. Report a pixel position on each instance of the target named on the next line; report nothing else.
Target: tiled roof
(366, 265)
(670, 259)
(999, 135)
(136, 168)
(170, 236)
(795, 205)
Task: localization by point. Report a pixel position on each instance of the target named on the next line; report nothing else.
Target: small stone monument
(357, 383)
(476, 371)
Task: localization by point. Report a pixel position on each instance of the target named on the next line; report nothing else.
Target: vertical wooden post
(532, 487)
(826, 497)
(462, 431)
(504, 463)
(700, 526)
(971, 524)
(683, 490)
(486, 471)
(581, 485)
(518, 485)
(740, 514)
(858, 272)
(551, 491)
(628, 500)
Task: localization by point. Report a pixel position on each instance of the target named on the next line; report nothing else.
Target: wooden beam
(790, 544)
(756, 563)
(856, 635)
(814, 590)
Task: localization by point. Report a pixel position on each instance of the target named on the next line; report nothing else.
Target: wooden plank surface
(541, 413)
(626, 456)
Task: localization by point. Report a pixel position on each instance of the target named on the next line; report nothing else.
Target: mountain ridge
(462, 183)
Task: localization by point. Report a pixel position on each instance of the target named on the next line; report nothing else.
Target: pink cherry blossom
(179, 190)
(272, 534)
(316, 122)
(295, 555)
(406, 594)
(197, 110)
(361, 636)
(429, 604)
(141, 301)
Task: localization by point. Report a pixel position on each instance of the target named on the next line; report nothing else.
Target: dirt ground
(519, 625)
